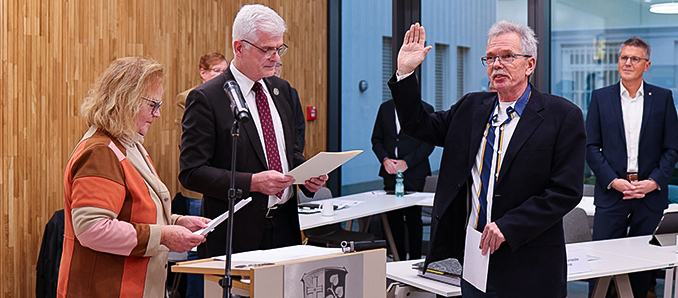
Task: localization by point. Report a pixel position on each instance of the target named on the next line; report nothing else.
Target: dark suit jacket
(606, 144)
(301, 121)
(540, 180)
(205, 163)
(413, 151)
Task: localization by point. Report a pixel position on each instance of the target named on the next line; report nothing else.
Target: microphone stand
(227, 282)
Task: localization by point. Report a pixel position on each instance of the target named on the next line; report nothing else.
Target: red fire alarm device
(311, 113)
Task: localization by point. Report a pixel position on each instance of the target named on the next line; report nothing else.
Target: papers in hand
(321, 164)
(215, 222)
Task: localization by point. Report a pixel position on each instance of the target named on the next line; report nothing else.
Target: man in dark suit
(266, 145)
(398, 151)
(298, 111)
(632, 149)
(513, 160)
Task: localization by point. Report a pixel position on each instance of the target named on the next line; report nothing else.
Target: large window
(458, 32)
(585, 41)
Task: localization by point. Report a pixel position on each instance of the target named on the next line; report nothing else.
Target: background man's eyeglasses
(503, 58)
(271, 51)
(155, 105)
(634, 59)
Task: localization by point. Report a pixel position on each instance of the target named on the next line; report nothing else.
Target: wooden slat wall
(50, 54)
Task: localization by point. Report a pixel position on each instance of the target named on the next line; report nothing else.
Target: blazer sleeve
(378, 137)
(422, 152)
(414, 119)
(301, 122)
(594, 143)
(198, 148)
(669, 156)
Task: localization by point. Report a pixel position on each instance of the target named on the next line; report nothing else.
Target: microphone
(238, 106)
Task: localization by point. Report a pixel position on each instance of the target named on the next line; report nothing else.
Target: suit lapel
(615, 101)
(251, 133)
(481, 115)
(529, 121)
(647, 107)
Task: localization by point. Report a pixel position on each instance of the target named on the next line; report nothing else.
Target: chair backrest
(322, 193)
(576, 226)
(589, 190)
(430, 184)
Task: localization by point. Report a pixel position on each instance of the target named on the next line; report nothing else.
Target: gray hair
(528, 43)
(637, 42)
(255, 19)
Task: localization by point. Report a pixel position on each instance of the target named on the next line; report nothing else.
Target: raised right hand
(413, 51)
(270, 182)
(179, 239)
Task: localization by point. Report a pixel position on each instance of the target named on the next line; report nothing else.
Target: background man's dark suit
(607, 157)
(539, 182)
(415, 153)
(205, 165)
(657, 148)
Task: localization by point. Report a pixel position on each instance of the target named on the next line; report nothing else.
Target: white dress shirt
(632, 112)
(246, 85)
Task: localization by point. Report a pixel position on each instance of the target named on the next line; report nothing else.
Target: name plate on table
(577, 262)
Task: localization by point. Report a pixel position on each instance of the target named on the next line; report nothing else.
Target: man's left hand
(642, 187)
(314, 184)
(400, 165)
(491, 239)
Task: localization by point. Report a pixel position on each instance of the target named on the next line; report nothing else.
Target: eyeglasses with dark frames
(155, 105)
(634, 59)
(282, 50)
(507, 58)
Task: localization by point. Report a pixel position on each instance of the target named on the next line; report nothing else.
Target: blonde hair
(114, 102)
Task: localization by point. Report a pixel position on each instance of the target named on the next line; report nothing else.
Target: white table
(372, 203)
(586, 203)
(403, 272)
(617, 258)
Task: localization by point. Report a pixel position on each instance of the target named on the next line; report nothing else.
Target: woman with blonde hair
(119, 228)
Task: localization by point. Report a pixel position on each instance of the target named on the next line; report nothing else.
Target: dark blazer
(301, 121)
(413, 151)
(205, 163)
(540, 180)
(606, 143)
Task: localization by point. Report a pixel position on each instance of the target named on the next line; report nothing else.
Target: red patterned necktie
(271, 142)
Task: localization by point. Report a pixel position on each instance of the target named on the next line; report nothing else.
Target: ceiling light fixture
(664, 8)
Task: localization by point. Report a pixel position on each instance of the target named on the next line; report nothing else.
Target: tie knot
(257, 87)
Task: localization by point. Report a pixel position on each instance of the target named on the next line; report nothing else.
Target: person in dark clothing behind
(398, 151)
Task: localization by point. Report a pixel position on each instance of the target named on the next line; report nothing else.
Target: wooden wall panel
(50, 54)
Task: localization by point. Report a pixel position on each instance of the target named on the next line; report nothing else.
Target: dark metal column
(334, 88)
(539, 19)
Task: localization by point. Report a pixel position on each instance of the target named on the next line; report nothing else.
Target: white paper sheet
(577, 262)
(475, 264)
(283, 254)
(215, 222)
(321, 164)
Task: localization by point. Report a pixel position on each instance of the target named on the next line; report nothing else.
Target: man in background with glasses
(512, 167)
(267, 145)
(632, 149)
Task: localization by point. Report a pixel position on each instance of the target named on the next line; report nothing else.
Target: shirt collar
(623, 91)
(518, 105)
(245, 83)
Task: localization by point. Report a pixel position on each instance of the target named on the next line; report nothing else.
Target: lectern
(358, 274)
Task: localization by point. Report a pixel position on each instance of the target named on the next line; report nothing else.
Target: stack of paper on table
(447, 271)
(281, 255)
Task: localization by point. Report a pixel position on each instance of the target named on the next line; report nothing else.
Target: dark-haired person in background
(632, 149)
(398, 151)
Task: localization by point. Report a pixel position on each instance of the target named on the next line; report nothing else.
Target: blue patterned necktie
(486, 166)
